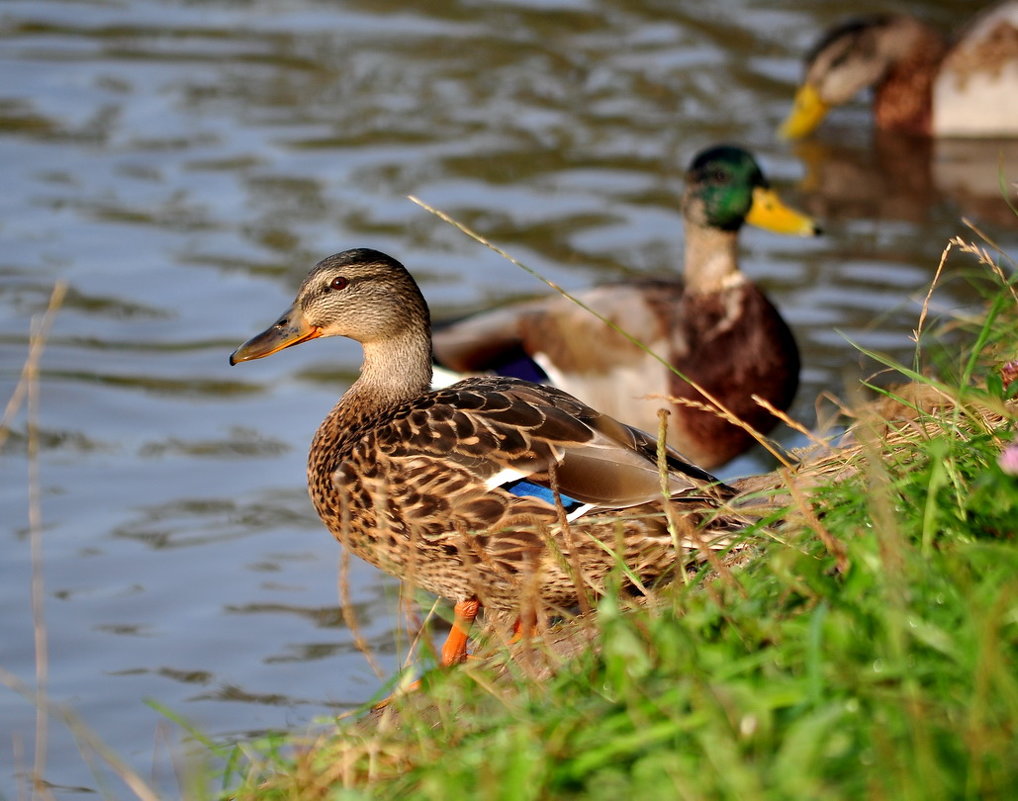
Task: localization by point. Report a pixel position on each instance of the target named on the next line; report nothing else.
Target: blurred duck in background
(923, 83)
(714, 327)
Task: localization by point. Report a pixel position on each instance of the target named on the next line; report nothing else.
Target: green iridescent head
(725, 188)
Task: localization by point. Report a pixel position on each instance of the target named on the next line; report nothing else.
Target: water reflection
(189, 522)
(892, 177)
(242, 443)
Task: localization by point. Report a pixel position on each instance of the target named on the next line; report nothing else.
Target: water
(181, 165)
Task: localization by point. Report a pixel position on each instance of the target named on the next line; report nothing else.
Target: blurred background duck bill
(808, 111)
(770, 213)
(924, 83)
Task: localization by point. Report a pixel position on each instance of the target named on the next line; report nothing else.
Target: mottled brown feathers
(414, 481)
(406, 490)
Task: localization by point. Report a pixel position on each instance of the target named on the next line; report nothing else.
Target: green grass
(882, 664)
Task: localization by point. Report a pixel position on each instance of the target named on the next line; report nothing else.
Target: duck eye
(339, 282)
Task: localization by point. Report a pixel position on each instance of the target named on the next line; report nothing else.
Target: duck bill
(290, 329)
(770, 213)
(807, 112)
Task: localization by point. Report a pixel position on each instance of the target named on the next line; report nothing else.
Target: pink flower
(1009, 372)
(1008, 459)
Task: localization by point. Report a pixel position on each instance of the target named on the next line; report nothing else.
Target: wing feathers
(498, 429)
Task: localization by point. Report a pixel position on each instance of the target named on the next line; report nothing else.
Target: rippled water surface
(181, 165)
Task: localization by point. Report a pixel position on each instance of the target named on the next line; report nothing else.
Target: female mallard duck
(922, 84)
(455, 489)
(716, 328)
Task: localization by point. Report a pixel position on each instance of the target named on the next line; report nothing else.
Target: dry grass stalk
(88, 741)
(662, 470)
(716, 408)
(917, 332)
(36, 345)
(795, 425)
(580, 581)
(912, 415)
(39, 785)
(350, 617)
(984, 256)
(28, 387)
(805, 509)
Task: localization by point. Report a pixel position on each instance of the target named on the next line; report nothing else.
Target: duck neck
(903, 101)
(711, 259)
(394, 371)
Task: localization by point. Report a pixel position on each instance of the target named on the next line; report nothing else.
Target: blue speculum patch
(528, 489)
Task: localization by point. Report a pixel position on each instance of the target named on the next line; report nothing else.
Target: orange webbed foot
(454, 650)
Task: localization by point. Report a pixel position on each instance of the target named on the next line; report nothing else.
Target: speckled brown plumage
(903, 98)
(414, 481)
(410, 482)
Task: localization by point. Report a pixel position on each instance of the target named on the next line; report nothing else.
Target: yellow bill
(770, 213)
(807, 112)
(290, 329)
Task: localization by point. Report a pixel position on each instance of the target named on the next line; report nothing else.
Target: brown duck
(923, 84)
(715, 327)
(492, 491)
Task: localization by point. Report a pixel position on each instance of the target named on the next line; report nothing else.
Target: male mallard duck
(922, 84)
(716, 327)
(455, 489)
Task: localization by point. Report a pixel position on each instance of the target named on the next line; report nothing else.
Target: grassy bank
(870, 651)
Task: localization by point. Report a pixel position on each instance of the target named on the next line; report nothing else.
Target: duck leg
(455, 649)
(525, 628)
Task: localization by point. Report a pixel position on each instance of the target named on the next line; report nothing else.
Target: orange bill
(290, 329)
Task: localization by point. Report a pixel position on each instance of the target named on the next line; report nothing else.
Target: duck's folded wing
(500, 431)
(563, 337)
(484, 341)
